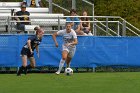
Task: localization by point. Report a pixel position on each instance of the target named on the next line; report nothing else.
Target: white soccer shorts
(71, 50)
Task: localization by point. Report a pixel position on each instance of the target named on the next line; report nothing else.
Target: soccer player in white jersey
(68, 47)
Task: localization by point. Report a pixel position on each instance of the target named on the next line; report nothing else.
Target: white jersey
(67, 37)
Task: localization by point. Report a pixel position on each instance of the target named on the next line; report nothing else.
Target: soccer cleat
(25, 71)
(57, 73)
(18, 73)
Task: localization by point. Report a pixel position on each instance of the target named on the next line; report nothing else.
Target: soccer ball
(68, 71)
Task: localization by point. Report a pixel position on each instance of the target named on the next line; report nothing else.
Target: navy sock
(20, 70)
(28, 67)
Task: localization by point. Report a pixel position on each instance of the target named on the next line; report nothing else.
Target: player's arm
(54, 38)
(75, 42)
(29, 45)
(37, 51)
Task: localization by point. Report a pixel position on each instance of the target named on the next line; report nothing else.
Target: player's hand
(38, 55)
(56, 44)
(31, 51)
(68, 44)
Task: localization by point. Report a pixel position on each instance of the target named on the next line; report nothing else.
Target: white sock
(61, 64)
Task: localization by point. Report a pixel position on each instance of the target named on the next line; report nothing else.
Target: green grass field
(119, 82)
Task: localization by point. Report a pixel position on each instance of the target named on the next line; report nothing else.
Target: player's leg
(68, 60)
(62, 61)
(70, 56)
(31, 65)
(32, 62)
(24, 64)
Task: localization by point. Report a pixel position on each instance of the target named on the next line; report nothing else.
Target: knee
(33, 66)
(64, 59)
(24, 66)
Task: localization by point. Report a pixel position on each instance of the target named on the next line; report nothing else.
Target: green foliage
(127, 9)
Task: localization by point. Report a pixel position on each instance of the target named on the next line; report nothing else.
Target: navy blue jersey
(35, 41)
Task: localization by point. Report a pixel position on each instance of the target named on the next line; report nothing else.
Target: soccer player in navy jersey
(27, 51)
